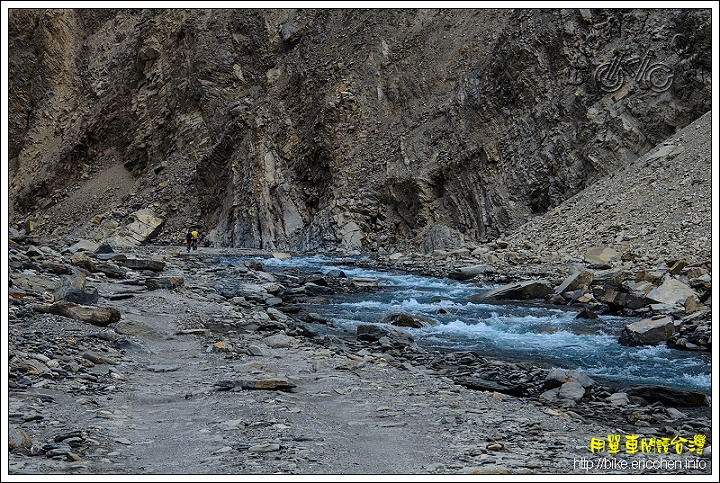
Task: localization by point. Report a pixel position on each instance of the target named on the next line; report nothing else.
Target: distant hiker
(195, 235)
(188, 240)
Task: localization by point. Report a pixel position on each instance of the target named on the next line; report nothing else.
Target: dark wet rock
(480, 384)
(336, 273)
(371, 332)
(668, 396)
(404, 319)
(270, 383)
(586, 314)
(72, 289)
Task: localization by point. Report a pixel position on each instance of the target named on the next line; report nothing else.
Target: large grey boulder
(672, 291)
(558, 377)
(466, 273)
(648, 331)
(73, 289)
(581, 279)
(528, 289)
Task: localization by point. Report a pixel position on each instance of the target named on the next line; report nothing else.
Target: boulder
(581, 279)
(72, 289)
(84, 246)
(668, 396)
(571, 390)
(146, 225)
(363, 282)
(154, 283)
(480, 384)
(371, 332)
(619, 399)
(276, 341)
(18, 438)
(612, 276)
(403, 319)
(101, 316)
(671, 291)
(143, 264)
(397, 339)
(601, 255)
(466, 273)
(650, 331)
(56, 267)
(529, 289)
(558, 377)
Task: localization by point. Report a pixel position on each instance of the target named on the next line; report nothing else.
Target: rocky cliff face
(327, 128)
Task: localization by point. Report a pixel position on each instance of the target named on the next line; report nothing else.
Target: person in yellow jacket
(195, 236)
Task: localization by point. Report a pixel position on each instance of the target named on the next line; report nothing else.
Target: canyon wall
(357, 129)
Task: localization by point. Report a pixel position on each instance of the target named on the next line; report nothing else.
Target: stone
(101, 316)
(142, 264)
(370, 332)
(649, 331)
(264, 448)
(467, 273)
(571, 390)
(268, 383)
(279, 341)
(581, 279)
(254, 350)
(163, 368)
(480, 384)
(72, 289)
(612, 276)
(404, 319)
(170, 283)
(558, 377)
(56, 268)
(653, 276)
(364, 282)
(669, 396)
(619, 399)
(586, 314)
(529, 289)
(671, 291)
(84, 246)
(601, 255)
(136, 328)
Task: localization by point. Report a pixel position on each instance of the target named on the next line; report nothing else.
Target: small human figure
(188, 240)
(195, 235)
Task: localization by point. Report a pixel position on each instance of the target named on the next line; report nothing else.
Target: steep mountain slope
(657, 209)
(312, 129)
